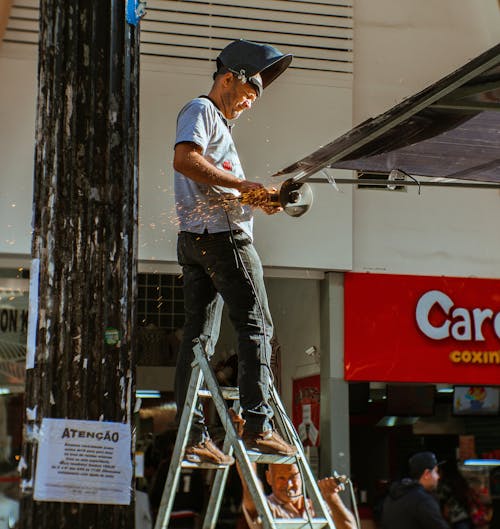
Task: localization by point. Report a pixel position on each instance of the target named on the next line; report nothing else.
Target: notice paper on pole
(84, 462)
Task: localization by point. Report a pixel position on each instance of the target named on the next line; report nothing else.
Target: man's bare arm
(342, 516)
(247, 499)
(189, 161)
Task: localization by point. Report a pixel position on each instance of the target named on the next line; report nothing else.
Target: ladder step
(299, 523)
(190, 464)
(202, 371)
(228, 393)
(255, 457)
(258, 457)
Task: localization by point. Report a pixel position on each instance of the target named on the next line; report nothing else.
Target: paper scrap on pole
(84, 462)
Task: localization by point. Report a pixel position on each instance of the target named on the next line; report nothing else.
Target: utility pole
(84, 246)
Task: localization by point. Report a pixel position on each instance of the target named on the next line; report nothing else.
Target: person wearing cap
(410, 503)
(215, 244)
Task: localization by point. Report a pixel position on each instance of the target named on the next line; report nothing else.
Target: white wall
(441, 232)
(401, 46)
(17, 135)
(295, 308)
(294, 305)
(293, 118)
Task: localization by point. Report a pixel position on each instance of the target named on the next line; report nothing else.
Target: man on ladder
(215, 247)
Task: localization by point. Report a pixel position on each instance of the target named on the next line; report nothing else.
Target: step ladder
(203, 372)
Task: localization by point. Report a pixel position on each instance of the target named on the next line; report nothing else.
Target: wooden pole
(84, 238)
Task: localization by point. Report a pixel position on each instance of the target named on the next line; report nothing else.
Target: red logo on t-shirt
(228, 166)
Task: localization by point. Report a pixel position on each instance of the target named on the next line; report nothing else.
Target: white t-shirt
(199, 206)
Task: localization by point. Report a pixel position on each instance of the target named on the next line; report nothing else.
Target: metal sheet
(450, 129)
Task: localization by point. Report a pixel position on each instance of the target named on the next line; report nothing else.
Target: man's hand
(329, 488)
(260, 197)
(247, 185)
(271, 209)
(342, 516)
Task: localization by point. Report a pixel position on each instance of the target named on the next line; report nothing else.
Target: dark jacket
(410, 506)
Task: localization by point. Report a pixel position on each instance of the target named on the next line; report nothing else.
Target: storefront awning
(451, 129)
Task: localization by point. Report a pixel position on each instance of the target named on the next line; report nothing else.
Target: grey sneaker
(269, 442)
(207, 452)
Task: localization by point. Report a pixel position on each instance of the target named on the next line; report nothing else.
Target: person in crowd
(454, 494)
(410, 503)
(480, 509)
(215, 244)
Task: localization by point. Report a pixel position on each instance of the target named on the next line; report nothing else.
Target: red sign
(305, 412)
(422, 329)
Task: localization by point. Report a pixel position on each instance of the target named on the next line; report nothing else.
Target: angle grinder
(295, 198)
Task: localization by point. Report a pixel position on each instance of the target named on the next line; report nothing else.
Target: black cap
(246, 59)
(421, 461)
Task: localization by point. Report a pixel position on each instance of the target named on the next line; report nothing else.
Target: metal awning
(450, 129)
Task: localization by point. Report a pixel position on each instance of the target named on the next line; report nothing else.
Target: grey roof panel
(450, 129)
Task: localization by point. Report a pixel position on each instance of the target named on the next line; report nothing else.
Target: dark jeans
(213, 275)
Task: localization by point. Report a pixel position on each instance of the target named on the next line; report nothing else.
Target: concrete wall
(292, 119)
(295, 308)
(295, 115)
(401, 46)
(17, 132)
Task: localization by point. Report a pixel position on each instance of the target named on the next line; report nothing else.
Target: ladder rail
(310, 481)
(251, 479)
(218, 486)
(203, 372)
(215, 501)
(174, 470)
